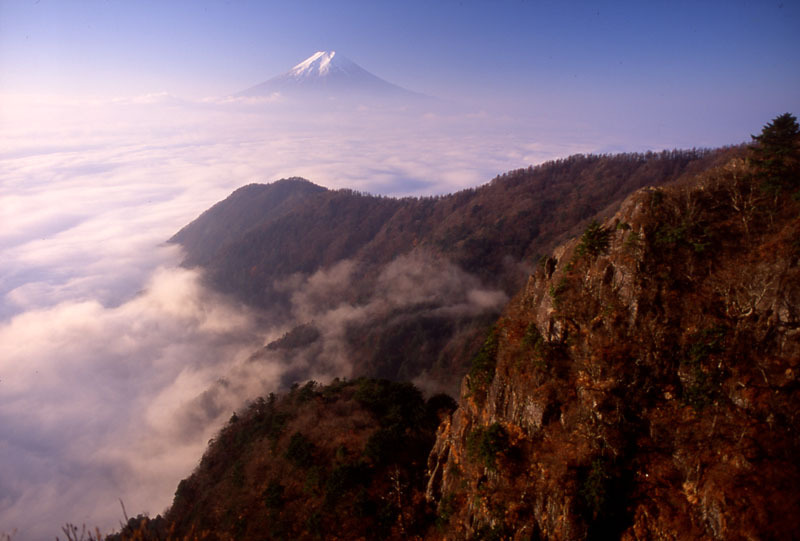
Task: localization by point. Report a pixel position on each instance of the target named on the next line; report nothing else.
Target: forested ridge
(428, 273)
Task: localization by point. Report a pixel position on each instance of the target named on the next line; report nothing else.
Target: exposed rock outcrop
(644, 385)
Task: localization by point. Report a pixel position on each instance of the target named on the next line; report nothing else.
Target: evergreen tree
(776, 153)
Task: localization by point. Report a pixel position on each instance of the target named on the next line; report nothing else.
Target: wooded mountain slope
(403, 288)
(341, 461)
(263, 233)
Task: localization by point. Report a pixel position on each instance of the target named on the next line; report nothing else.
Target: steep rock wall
(644, 385)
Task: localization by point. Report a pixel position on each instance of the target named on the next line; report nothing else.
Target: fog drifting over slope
(116, 365)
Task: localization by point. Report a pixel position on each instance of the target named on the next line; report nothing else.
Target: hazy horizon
(117, 128)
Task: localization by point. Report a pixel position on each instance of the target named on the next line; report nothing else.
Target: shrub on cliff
(595, 240)
(484, 444)
(483, 364)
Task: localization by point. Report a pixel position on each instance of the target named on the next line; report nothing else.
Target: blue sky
(668, 65)
(512, 48)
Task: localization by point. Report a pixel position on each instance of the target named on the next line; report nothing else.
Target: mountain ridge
(588, 183)
(251, 202)
(465, 251)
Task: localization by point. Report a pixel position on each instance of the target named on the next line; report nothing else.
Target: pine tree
(776, 154)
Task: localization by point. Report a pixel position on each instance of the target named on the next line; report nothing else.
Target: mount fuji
(330, 75)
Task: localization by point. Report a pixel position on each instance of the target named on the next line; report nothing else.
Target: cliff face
(644, 384)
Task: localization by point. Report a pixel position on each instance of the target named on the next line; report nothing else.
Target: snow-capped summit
(323, 64)
(329, 75)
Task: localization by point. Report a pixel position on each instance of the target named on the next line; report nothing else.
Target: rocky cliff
(644, 384)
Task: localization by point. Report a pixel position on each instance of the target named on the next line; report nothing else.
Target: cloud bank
(99, 403)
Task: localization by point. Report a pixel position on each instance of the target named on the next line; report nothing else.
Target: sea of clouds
(116, 364)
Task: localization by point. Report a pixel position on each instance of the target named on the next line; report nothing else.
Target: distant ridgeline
(292, 225)
(642, 383)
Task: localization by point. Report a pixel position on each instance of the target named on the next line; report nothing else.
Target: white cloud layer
(116, 366)
(98, 403)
